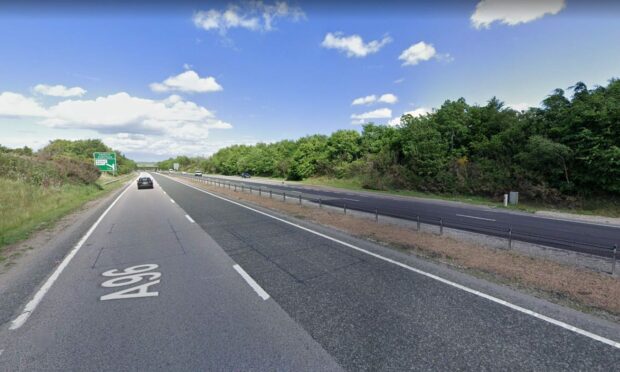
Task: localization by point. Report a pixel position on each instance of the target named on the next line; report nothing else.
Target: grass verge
(579, 288)
(25, 208)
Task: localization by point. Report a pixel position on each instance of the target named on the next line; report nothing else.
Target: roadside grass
(583, 289)
(25, 208)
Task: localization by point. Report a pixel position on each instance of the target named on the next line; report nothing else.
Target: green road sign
(105, 161)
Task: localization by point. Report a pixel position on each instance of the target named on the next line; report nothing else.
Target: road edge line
(36, 299)
(255, 286)
(424, 273)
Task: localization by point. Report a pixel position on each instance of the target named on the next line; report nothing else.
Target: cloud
(512, 13)
(417, 53)
(15, 105)
(384, 98)
(415, 113)
(171, 125)
(388, 98)
(122, 112)
(187, 81)
(353, 45)
(364, 100)
(59, 90)
(522, 106)
(253, 16)
(148, 146)
(382, 113)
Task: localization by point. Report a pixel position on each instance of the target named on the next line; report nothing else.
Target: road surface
(597, 239)
(177, 279)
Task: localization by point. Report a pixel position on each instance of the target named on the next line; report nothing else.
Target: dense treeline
(60, 162)
(568, 147)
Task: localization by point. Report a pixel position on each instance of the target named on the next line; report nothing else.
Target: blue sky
(195, 77)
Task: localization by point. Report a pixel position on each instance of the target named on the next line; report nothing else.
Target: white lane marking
(173, 202)
(1, 351)
(429, 275)
(32, 305)
(355, 200)
(189, 218)
(257, 288)
(477, 218)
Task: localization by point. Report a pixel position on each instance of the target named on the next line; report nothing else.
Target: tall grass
(25, 208)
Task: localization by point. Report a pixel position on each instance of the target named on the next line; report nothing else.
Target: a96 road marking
(129, 276)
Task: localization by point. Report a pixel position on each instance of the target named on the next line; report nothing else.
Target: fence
(498, 230)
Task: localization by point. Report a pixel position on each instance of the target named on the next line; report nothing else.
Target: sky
(188, 78)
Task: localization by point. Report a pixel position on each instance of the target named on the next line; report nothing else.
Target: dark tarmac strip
(599, 239)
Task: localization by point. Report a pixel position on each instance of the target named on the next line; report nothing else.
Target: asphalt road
(589, 238)
(154, 287)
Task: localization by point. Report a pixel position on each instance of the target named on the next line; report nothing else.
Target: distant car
(245, 175)
(198, 173)
(170, 170)
(145, 183)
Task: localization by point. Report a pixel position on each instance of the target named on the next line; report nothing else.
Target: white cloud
(384, 98)
(417, 53)
(59, 90)
(388, 98)
(168, 126)
(253, 15)
(15, 104)
(353, 45)
(121, 112)
(187, 81)
(364, 100)
(510, 12)
(522, 106)
(415, 113)
(382, 113)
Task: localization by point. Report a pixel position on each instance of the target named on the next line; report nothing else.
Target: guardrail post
(260, 192)
(250, 189)
(418, 221)
(377, 215)
(510, 237)
(441, 226)
(284, 196)
(299, 199)
(320, 203)
(242, 188)
(235, 188)
(269, 194)
(344, 206)
(613, 264)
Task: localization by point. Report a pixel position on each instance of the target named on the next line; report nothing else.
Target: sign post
(105, 161)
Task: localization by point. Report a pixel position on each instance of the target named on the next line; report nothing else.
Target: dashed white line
(189, 218)
(32, 305)
(477, 218)
(171, 200)
(496, 300)
(257, 288)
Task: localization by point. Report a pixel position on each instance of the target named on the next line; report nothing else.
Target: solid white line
(32, 305)
(257, 288)
(477, 218)
(189, 218)
(429, 275)
(172, 201)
